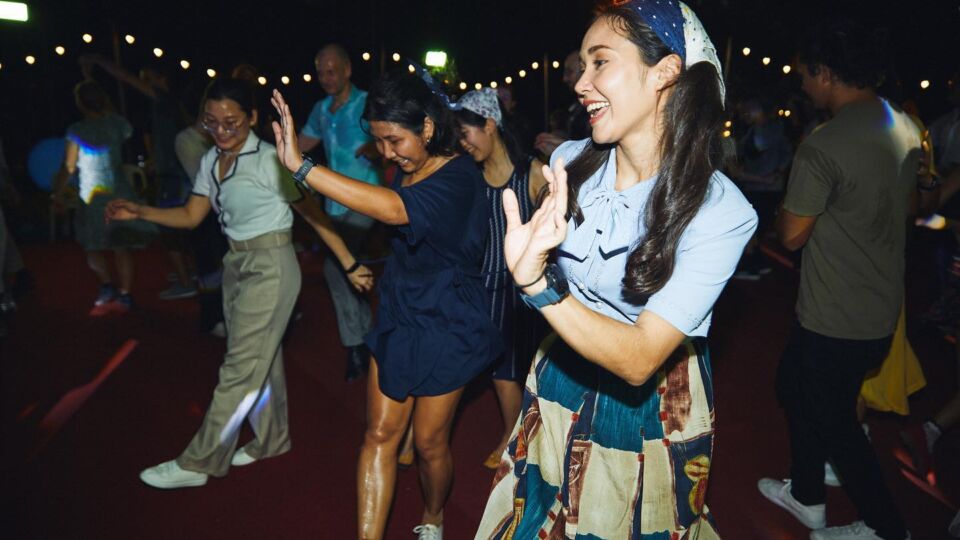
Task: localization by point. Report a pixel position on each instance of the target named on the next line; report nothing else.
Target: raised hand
(288, 148)
(121, 210)
(527, 245)
(361, 279)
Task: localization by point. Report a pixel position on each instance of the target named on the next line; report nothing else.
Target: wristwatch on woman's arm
(557, 289)
(301, 175)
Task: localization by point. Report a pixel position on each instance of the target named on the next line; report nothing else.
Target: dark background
(488, 40)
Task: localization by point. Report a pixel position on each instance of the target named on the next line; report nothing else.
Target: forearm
(176, 218)
(380, 203)
(622, 349)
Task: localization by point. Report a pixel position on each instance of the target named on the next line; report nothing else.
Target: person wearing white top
(242, 180)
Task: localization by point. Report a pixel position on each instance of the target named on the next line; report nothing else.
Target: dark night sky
(488, 39)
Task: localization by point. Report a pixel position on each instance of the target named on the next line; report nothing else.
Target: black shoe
(358, 358)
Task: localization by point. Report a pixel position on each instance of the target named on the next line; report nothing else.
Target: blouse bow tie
(606, 212)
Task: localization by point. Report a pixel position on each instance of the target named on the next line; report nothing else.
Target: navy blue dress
(433, 332)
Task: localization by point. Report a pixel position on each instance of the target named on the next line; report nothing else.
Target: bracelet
(353, 268)
(534, 281)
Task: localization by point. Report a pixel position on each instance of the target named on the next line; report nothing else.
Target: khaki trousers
(261, 281)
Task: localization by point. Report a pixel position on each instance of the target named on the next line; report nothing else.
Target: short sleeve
(314, 128)
(203, 183)
(569, 151)
(706, 258)
(433, 202)
(278, 179)
(813, 178)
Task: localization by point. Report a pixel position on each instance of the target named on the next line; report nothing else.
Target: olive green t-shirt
(856, 174)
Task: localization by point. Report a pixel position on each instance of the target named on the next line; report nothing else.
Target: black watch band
(301, 175)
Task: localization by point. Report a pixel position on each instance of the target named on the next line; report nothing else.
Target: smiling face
(618, 89)
(227, 123)
(478, 141)
(401, 145)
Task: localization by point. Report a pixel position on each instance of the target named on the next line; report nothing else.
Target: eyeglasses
(230, 128)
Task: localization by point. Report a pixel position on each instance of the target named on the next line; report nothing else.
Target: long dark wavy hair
(690, 152)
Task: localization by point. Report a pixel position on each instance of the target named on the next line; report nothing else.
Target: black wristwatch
(557, 289)
(301, 175)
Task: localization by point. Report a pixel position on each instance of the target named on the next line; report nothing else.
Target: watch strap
(301, 175)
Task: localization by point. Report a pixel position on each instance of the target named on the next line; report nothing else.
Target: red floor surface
(79, 480)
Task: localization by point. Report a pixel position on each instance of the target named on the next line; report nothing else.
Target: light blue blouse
(594, 255)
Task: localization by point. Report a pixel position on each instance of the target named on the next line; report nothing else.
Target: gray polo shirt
(254, 197)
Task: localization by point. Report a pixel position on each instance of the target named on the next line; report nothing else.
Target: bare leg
(432, 421)
(98, 263)
(377, 469)
(406, 447)
(124, 261)
(510, 396)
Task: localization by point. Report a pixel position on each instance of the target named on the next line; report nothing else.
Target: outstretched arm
(119, 73)
(380, 203)
(187, 216)
(360, 277)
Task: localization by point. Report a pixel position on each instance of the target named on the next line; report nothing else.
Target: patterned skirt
(594, 457)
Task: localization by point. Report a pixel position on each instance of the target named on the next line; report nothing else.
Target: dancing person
(574, 120)
(846, 205)
(242, 180)
(432, 333)
(336, 122)
(490, 141)
(615, 436)
(93, 148)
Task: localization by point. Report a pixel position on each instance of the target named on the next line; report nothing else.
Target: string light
(463, 86)
(924, 84)
(786, 70)
(766, 60)
(508, 80)
(396, 57)
(158, 52)
(746, 51)
(129, 39)
(87, 38)
(786, 113)
(307, 77)
(493, 84)
(556, 64)
(60, 50)
(262, 80)
(535, 65)
(31, 59)
(211, 72)
(523, 73)
(410, 68)
(365, 56)
(1, 66)
(726, 133)
(185, 64)
(478, 86)
(780, 112)
(728, 123)
(285, 79)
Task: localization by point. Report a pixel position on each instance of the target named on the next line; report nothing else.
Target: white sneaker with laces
(830, 477)
(429, 532)
(169, 475)
(241, 458)
(857, 530)
(778, 492)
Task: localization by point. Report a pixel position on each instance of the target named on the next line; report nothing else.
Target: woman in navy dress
(488, 137)
(432, 333)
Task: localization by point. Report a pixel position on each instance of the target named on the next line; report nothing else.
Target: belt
(264, 241)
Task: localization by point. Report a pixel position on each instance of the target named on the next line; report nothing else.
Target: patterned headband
(482, 102)
(680, 30)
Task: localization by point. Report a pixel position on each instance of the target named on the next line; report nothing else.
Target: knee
(431, 446)
(380, 434)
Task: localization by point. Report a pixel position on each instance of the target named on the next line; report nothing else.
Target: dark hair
(404, 99)
(238, 90)
(92, 97)
(506, 130)
(851, 52)
(690, 152)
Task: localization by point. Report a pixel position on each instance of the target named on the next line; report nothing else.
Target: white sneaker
(813, 516)
(241, 458)
(954, 528)
(219, 330)
(857, 530)
(429, 532)
(830, 477)
(169, 475)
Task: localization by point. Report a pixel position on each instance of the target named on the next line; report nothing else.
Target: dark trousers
(818, 381)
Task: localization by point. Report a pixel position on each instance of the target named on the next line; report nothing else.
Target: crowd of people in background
(577, 268)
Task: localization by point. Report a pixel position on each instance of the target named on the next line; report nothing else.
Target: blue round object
(44, 161)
